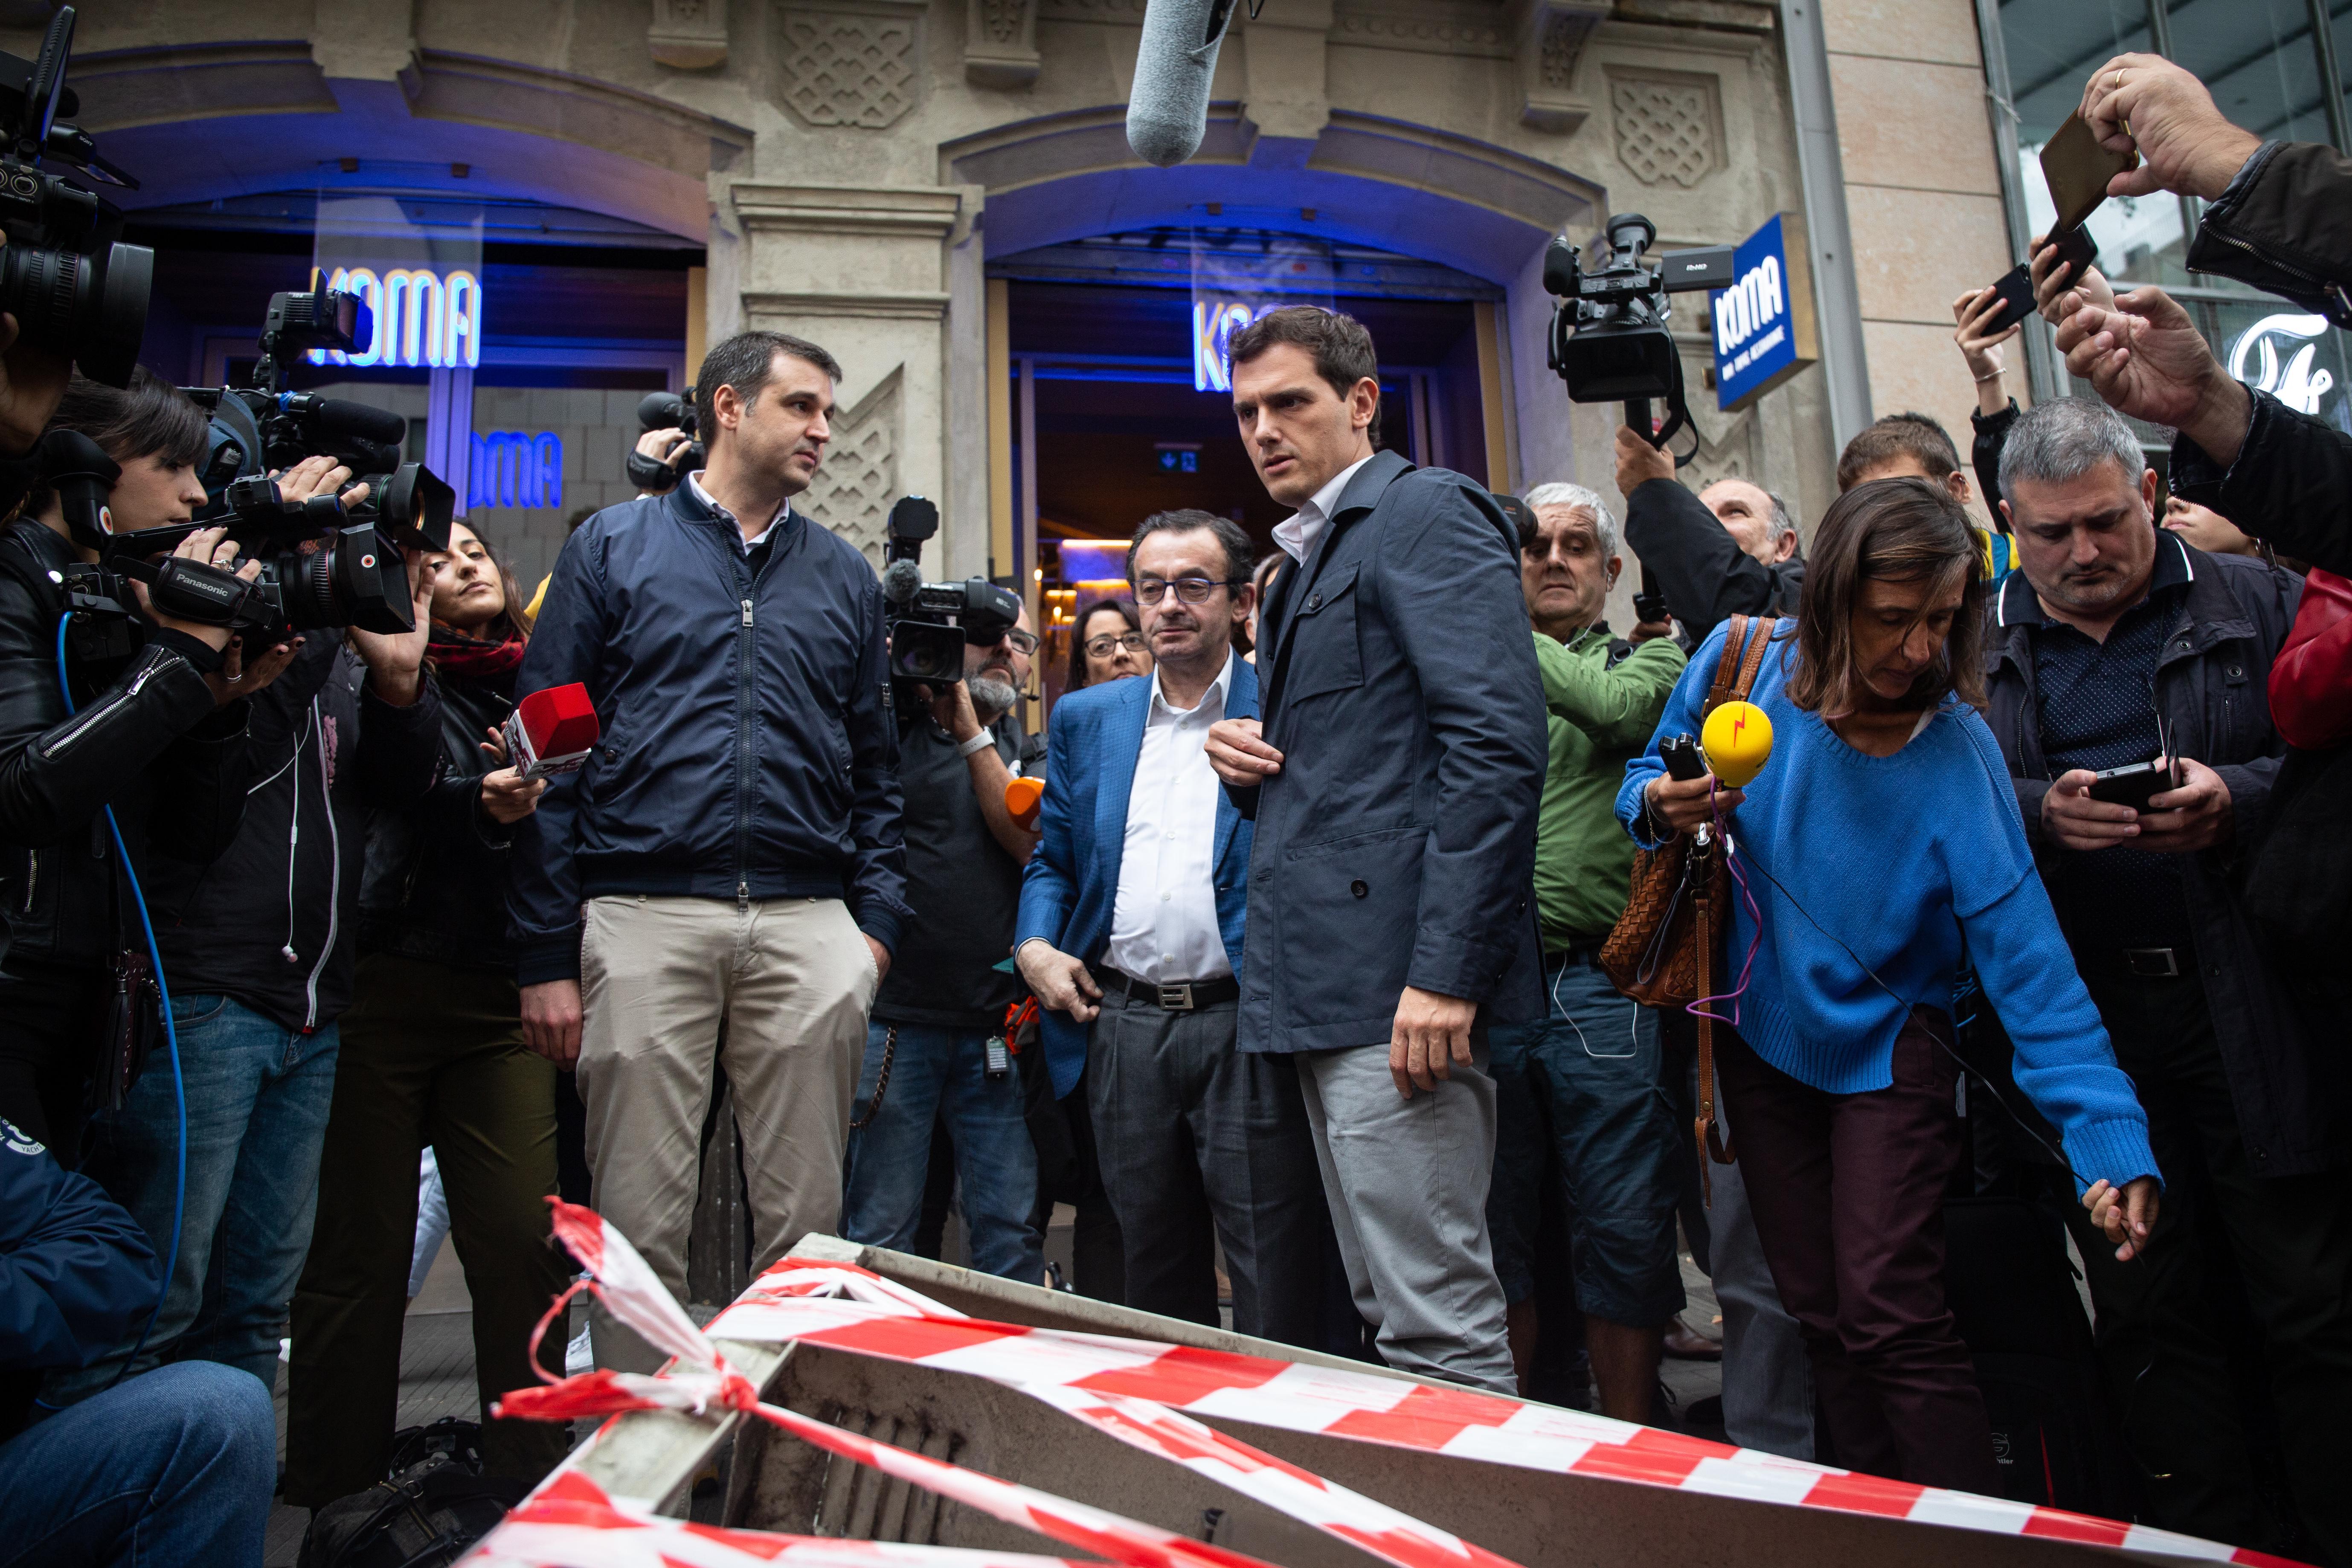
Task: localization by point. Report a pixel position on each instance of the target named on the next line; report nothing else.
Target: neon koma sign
(422, 318)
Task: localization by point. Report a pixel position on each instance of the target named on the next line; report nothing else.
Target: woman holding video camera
(433, 1055)
(158, 732)
(1879, 850)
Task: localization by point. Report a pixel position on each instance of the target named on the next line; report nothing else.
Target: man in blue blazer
(1394, 781)
(1131, 935)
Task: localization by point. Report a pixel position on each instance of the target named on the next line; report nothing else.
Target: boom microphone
(1168, 113)
(552, 731)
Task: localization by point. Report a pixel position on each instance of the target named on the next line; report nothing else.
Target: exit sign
(1178, 458)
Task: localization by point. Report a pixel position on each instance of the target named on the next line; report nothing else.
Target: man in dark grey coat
(1395, 779)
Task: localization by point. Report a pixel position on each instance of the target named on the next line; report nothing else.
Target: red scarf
(467, 659)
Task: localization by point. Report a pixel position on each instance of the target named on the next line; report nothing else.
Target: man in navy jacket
(174, 1467)
(1395, 779)
(731, 855)
(1130, 934)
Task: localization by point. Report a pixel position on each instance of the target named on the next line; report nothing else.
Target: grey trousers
(1768, 1381)
(1201, 1144)
(1407, 1180)
(792, 980)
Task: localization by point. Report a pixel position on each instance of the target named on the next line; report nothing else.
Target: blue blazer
(1072, 881)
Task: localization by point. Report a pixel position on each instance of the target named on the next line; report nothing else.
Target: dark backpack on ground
(2012, 1292)
(436, 1504)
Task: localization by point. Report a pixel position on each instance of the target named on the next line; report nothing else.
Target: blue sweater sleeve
(2064, 1062)
(1683, 715)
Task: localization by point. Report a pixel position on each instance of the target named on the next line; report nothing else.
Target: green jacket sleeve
(1616, 708)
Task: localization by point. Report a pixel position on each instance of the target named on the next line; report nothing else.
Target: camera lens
(93, 307)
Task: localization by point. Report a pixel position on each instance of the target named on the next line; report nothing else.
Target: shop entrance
(1111, 424)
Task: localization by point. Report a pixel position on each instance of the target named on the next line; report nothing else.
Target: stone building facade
(854, 169)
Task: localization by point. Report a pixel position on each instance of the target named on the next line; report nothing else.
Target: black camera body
(320, 569)
(1610, 341)
(260, 428)
(64, 274)
(930, 623)
(665, 410)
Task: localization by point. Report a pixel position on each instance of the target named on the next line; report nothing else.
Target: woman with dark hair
(1107, 644)
(433, 1055)
(1883, 851)
(159, 733)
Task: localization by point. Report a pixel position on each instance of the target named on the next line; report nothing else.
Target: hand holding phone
(2135, 785)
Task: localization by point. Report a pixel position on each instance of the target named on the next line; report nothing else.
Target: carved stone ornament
(849, 68)
(1666, 126)
(858, 479)
(690, 35)
(1551, 42)
(999, 43)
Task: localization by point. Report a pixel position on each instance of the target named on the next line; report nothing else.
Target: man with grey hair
(1730, 550)
(1580, 1096)
(2115, 644)
(1131, 935)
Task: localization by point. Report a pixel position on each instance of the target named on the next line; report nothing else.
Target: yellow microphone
(1737, 740)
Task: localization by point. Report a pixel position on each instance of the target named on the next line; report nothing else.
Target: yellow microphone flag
(1737, 740)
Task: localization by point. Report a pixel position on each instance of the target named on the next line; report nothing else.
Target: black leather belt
(1179, 996)
(2151, 963)
(1580, 952)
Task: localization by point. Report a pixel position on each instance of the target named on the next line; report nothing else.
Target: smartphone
(2134, 786)
(1682, 759)
(2077, 169)
(2015, 292)
(2075, 247)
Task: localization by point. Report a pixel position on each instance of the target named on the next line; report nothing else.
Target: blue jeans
(170, 1468)
(996, 1165)
(1581, 1100)
(257, 1098)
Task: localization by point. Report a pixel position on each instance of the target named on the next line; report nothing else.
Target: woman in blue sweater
(1888, 809)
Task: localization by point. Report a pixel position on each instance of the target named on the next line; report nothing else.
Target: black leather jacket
(435, 885)
(1702, 572)
(146, 740)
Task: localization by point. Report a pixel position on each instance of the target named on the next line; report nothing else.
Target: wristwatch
(978, 742)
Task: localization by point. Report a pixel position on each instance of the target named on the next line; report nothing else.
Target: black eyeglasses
(1023, 642)
(1191, 590)
(1105, 645)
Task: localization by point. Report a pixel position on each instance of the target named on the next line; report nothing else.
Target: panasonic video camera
(64, 274)
(1609, 336)
(262, 427)
(665, 410)
(930, 623)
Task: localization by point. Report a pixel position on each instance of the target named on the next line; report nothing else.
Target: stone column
(861, 271)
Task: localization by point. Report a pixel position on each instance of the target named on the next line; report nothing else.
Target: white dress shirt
(1299, 532)
(695, 481)
(1163, 922)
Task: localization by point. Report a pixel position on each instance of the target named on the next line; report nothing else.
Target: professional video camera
(929, 624)
(65, 275)
(665, 410)
(263, 427)
(318, 568)
(1609, 336)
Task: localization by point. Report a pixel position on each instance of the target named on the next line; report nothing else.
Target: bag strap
(1726, 663)
(1752, 660)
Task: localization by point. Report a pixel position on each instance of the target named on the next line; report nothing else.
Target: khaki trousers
(790, 980)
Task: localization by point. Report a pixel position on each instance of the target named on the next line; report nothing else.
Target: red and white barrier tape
(1131, 1389)
(571, 1523)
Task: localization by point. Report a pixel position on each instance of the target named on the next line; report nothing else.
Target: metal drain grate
(862, 1504)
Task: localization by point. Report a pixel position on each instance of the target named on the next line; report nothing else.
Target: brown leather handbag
(1667, 948)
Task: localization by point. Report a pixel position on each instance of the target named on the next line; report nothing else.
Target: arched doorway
(1100, 417)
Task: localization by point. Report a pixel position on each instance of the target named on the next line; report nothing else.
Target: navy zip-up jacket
(748, 751)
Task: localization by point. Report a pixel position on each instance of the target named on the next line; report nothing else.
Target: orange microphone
(1022, 797)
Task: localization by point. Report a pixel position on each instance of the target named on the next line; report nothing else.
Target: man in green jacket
(1580, 1094)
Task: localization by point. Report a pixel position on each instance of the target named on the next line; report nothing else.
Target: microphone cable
(171, 1040)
